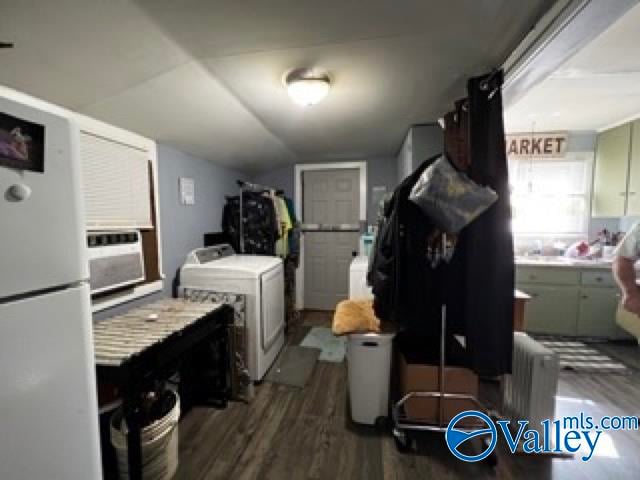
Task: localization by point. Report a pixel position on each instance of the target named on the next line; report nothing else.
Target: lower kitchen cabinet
(570, 301)
(596, 305)
(552, 309)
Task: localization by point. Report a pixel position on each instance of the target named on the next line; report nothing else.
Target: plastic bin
(159, 445)
(369, 371)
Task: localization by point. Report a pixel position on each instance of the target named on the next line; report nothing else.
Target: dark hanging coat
(406, 290)
(260, 224)
(477, 286)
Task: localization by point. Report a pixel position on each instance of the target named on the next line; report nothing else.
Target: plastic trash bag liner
(450, 198)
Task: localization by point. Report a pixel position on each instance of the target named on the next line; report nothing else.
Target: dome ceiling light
(306, 87)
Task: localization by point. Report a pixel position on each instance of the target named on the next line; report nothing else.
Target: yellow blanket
(355, 316)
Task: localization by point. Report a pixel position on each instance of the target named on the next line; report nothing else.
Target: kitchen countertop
(564, 262)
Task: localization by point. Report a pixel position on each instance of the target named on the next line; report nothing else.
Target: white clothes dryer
(261, 279)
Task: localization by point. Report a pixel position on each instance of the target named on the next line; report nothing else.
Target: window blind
(115, 180)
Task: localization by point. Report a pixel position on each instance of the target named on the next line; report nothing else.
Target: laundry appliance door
(272, 302)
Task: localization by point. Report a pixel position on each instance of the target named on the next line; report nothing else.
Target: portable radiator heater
(529, 392)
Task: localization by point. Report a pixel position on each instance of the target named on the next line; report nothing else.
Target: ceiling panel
(380, 87)
(205, 75)
(576, 104)
(189, 109)
(209, 28)
(596, 88)
(76, 52)
(614, 51)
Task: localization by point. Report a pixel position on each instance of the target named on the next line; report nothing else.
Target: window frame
(588, 158)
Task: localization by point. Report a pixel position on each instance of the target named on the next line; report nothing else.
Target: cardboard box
(421, 377)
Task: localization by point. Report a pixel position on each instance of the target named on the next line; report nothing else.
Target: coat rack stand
(403, 425)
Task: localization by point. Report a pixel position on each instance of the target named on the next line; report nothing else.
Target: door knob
(18, 192)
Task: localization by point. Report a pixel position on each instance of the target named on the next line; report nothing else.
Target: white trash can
(369, 371)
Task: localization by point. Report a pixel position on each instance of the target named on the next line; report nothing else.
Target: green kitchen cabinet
(633, 199)
(597, 306)
(570, 301)
(611, 172)
(548, 275)
(553, 309)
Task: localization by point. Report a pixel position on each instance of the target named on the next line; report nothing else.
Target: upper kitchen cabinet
(611, 172)
(633, 202)
(421, 142)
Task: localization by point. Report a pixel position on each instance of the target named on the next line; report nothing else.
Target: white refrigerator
(48, 405)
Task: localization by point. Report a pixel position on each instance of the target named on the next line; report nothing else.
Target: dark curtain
(487, 243)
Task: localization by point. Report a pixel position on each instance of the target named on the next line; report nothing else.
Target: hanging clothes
(285, 225)
(291, 209)
(456, 135)
(477, 285)
(259, 222)
(406, 290)
(291, 263)
(294, 233)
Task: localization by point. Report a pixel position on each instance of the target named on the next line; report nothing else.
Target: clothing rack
(402, 424)
(251, 187)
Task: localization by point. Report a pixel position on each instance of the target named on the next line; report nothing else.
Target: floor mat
(582, 357)
(333, 348)
(293, 366)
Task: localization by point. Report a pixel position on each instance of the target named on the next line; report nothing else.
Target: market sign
(532, 145)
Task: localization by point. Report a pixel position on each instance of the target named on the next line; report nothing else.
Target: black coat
(405, 289)
(477, 286)
(260, 224)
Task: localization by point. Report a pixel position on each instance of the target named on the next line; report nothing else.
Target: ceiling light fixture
(307, 88)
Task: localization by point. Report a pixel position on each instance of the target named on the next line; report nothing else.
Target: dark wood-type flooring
(288, 433)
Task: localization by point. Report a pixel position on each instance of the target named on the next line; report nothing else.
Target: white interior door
(331, 210)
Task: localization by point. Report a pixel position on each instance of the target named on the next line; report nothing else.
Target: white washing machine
(261, 279)
(358, 288)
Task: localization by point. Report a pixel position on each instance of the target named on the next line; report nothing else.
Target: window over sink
(551, 196)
